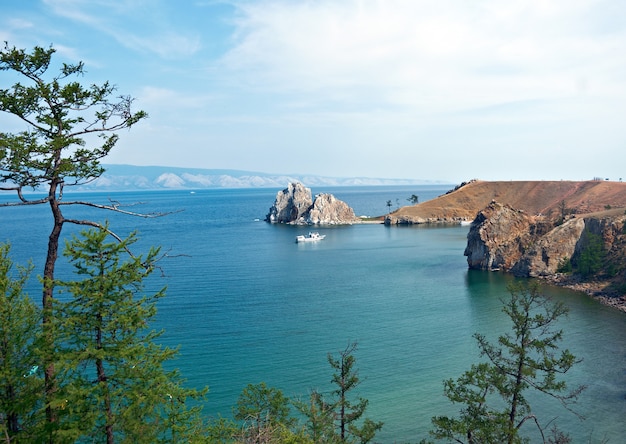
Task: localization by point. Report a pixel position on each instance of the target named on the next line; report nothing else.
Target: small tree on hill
(528, 358)
(414, 199)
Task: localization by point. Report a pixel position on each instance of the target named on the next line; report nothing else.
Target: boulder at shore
(294, 205)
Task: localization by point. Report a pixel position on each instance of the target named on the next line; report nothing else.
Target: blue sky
(436, 90)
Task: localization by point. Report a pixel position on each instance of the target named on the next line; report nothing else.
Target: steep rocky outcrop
(294, 205)
(328, 210)
(495, 237)
(503, 238)
(290, 204)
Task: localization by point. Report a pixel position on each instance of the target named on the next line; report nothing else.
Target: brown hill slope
(534, 197)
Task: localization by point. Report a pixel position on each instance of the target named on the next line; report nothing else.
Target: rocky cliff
(295, 205)
(503, 238)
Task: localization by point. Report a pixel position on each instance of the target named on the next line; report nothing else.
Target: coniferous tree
(320, 418)
(347, 412)
(20, 381)
(264, 412)
(591, 257)
(526, 359)
(58, 148)
(112, 382)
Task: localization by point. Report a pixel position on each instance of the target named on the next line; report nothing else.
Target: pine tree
(113, 386)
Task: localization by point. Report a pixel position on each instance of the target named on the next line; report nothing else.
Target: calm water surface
(247, 304)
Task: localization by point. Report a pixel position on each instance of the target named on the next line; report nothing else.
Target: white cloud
(430, 56)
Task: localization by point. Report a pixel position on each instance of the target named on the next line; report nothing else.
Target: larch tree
(347, 412)
(112, 379)
(526, 359)
(20, 381)
(70, 128)
(320, 418)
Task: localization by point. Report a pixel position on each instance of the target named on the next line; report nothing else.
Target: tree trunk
(47, 303)
(102, 380)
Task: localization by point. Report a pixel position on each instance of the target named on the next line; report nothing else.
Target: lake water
(246, 304)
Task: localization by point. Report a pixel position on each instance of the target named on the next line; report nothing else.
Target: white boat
(313, 236)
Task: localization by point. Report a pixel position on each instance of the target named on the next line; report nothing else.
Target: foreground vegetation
(111, 385)
(86, 365)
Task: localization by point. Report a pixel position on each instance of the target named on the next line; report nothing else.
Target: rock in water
(328, 210)
(291, 203)
(294, 206)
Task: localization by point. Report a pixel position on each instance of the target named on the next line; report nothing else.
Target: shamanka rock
(328, 210)
(291, 203)
(294, 205)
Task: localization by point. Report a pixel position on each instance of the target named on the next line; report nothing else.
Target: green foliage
(478, 421)
(565, 266)
(263, 409)
(414, 199)
(69, 129)
(320, 418)
(264, 413)
(59, 113)
(591, 257)
(527, 358)
(113, 385)
(20, 377)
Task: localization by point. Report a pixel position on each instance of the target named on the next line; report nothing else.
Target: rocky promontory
(570, 233)
(583, 252)
(295, 206)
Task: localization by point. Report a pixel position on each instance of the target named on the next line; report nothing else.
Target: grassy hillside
(534, 197)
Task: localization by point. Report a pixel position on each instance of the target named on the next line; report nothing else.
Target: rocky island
(295, 206)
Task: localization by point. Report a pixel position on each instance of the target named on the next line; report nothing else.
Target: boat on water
(313, 236)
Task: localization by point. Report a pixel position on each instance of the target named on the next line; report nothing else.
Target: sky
(447, 90)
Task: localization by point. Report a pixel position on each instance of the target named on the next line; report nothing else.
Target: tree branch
(115, 206)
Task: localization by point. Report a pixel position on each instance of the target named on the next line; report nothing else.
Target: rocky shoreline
(595, 289)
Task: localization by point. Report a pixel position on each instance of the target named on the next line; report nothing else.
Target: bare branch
(115, 206)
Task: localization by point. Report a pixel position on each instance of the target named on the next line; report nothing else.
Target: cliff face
(290, 204)
(502, 238)
(294, 205)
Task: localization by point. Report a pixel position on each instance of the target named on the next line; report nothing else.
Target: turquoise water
(247, 304)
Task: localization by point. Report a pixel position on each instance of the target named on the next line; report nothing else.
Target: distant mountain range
(132, 177)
